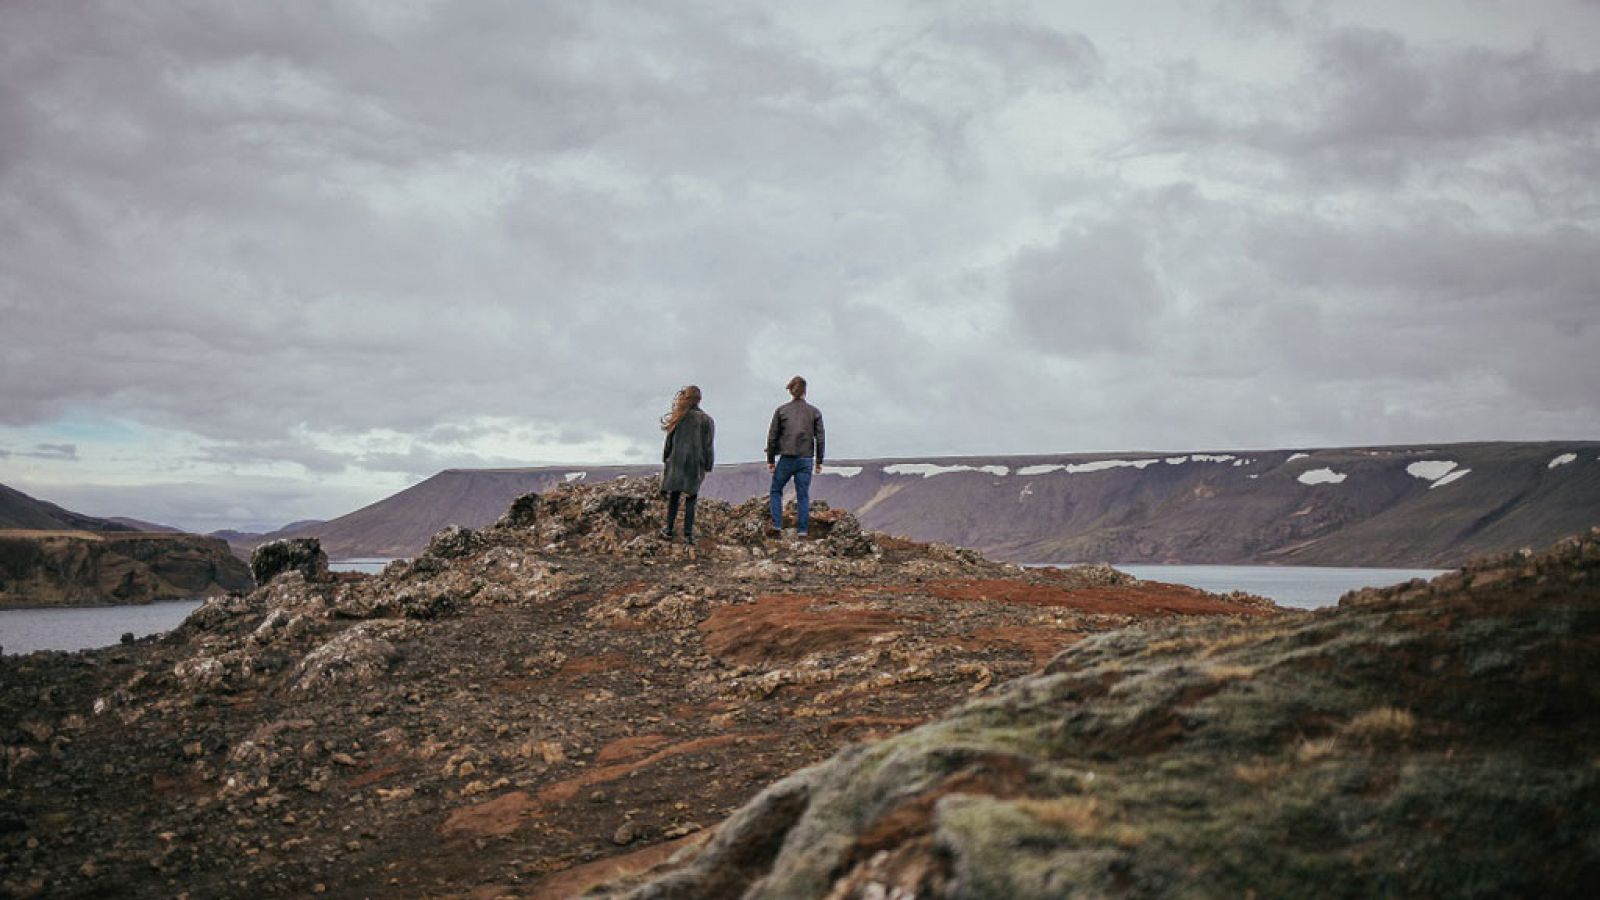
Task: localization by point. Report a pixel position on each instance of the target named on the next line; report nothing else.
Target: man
(794, 450)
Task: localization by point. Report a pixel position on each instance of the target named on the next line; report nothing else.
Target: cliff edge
(72, 568)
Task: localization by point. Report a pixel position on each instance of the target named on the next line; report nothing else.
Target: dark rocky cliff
(1404, 506)
(66, 568)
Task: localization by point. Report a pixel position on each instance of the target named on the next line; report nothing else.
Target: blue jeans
(798, 468)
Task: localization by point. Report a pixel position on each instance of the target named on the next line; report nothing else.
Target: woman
(687, 455)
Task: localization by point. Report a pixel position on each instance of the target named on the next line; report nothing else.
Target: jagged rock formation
(303, 555)
(64, 568)
(526, 709)
(1374, 506)
(1431, 739)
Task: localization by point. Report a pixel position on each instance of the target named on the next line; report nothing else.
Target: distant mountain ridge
(1435, 505)
(18, 510)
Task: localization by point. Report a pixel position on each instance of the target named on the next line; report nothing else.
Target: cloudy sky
(262, 262)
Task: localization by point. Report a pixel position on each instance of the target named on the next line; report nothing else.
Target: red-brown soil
(537, 709)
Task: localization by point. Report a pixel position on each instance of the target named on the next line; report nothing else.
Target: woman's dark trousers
(688, 513)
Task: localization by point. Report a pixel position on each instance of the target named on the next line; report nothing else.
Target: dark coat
(796, 430)
(688, 453)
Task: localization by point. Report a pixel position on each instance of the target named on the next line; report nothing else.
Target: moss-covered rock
(1432, 739)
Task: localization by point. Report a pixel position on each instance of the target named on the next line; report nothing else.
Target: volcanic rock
(1434, 738)
(493, 716)
(303, 555)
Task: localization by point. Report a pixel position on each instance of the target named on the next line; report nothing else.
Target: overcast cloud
(263, 262)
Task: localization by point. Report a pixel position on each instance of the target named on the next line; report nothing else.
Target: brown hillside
(1427, 740)
(523, 710)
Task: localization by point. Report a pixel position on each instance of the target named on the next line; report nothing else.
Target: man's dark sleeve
(773, 431)
(710, 451)
(820, 436)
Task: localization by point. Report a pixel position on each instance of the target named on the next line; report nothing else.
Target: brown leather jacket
(796, 430)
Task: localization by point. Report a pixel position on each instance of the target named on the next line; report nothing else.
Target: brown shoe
(771, 532)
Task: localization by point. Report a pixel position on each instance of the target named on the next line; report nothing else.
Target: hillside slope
(1427, 740)
(520, 711)
(18, 510)
(1378, 506)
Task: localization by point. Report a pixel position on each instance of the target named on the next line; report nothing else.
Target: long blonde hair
(686, 399)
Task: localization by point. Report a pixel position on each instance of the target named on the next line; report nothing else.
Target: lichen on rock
(303, 555)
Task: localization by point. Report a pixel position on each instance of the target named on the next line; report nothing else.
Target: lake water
(78, 628)
(371, 565)
(82, 627)
(1303, 587)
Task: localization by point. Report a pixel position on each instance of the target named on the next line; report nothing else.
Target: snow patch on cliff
(1430, 469)
(1295, 456)
(1563, 459)
(576, 476)
(842, 471)
(1453, 476)
(1321, 476)
(1099, 465)
(928, 470)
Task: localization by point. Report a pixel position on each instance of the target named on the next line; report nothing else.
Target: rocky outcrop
(1431, 739)
(303, 555)
(65, 568)
(523, 709)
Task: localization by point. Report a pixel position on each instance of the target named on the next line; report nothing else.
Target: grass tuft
(1225, 674)
(1311, 750)
(1174, 645)
(1083, 817)
(1260, 772)
(1382, 723)
(1079, 815)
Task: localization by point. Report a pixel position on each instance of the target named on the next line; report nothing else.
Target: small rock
(626, 834)
(453, 542)
(39, 731)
